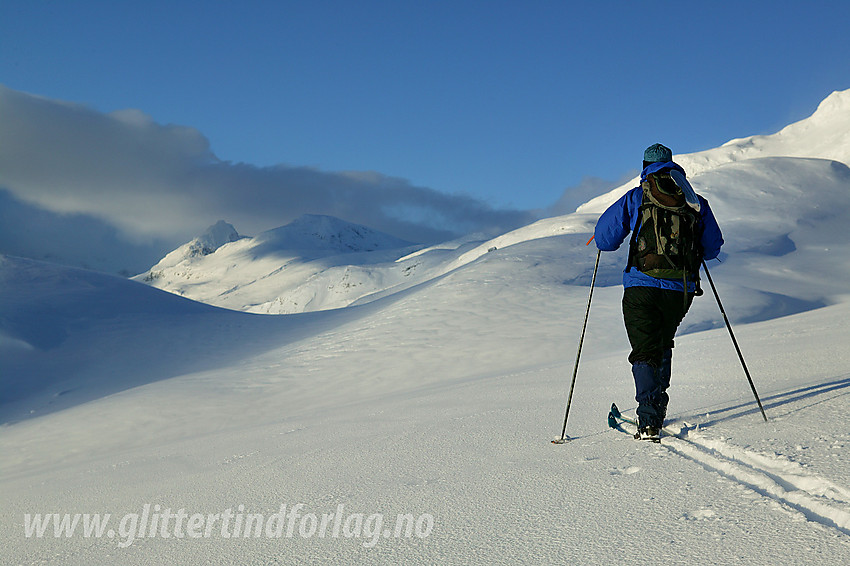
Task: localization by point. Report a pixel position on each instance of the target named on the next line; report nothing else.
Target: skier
(670, 240)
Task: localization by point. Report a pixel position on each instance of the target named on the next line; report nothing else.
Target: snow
(434, 388)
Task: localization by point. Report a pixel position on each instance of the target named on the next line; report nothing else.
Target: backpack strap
(645, 203)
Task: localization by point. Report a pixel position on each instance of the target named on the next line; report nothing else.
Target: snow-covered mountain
(209, 242)
(318, 262)
(437, 399)
(314, 263)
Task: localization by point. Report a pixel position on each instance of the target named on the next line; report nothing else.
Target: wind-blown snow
(437, 391)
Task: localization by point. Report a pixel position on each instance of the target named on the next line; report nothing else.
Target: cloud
(150, 180)
(72, 239)
(589, 188)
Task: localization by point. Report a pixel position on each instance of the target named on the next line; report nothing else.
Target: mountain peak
(215, 236)
(836, 104)
(825, 134)
(321, 232)
(212, 239)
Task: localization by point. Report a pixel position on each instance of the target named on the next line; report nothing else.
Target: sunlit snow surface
(437, 388)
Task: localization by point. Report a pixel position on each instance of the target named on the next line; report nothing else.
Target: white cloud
(154, 180)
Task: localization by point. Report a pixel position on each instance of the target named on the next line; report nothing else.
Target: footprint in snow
(700, 515)
(625, 471)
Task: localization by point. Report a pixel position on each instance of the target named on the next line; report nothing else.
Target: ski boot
(650, 433)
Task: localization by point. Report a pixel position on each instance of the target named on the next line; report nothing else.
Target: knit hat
(657, 153)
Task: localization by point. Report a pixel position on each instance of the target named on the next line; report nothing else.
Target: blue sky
(509, 103)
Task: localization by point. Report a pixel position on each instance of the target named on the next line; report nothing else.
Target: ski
(616, 419)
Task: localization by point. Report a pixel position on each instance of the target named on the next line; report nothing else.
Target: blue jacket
(621, 219)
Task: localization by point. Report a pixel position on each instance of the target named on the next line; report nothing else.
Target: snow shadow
(763, 307)
(812, 393)
(70, 336)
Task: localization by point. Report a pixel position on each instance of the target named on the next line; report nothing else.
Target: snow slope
(442, 401)
(823, 135)
(438, 400)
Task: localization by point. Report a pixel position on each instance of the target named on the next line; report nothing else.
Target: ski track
(817, 499)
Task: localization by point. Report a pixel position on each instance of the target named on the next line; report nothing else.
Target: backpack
(666, 242)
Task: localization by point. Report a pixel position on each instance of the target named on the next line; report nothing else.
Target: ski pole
(735, 342)
(564, 436)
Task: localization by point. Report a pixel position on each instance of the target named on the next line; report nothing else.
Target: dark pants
(652, 316)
